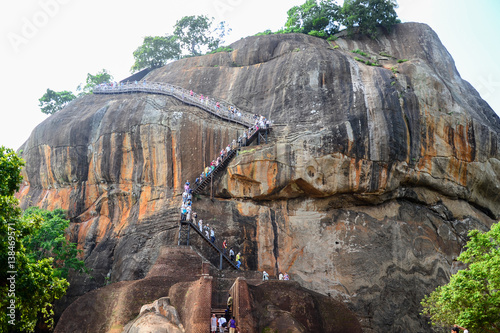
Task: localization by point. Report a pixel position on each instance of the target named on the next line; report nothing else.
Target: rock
(157, 317)
(366, 191)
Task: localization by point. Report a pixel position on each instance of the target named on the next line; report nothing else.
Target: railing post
(220, 265)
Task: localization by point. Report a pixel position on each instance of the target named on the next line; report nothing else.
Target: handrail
(221, 253)
(186, 96)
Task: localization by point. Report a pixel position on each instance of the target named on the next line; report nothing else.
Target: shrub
(222, 49)
(358, 51)
(402, 60)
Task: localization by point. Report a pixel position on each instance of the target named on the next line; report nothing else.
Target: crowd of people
(188, 215)
(281, 276)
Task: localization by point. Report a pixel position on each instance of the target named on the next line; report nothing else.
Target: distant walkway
(219, 109)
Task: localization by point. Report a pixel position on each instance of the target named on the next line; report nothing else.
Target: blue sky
(55, 43)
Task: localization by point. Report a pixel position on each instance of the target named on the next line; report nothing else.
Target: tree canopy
(93, 80)
(53, 101)
(472, 297)
(155, 52)
(314, 18)
(325, 18)
(368, 15)
(194, 32)
(29, 284)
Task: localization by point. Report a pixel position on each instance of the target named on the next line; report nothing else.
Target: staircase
(258, 135)
(184, 235)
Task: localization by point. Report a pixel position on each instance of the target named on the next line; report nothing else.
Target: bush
(402, 60)
(222, 49)
(358, 51)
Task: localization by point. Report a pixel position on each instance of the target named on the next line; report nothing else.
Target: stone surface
(366, 191)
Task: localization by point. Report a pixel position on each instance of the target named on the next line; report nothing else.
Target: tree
(472, 297)
(319, 19)
(195, 33)
(155, 52)
(93, 80)
(53, 101)
(368, 15)
(28, 286)
(49, 241)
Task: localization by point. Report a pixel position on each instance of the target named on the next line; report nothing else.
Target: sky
(55, 43)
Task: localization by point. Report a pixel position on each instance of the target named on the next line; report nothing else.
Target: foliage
(402, 60)
(222, 49)
(264, 33)
(358, 51)
(384, 54)
(155, 52)
(472, 297)
(368, 15)
(313, 18)
(48, 240)
(33, 285)
(93, 80)
(53, 101)
(195, 33)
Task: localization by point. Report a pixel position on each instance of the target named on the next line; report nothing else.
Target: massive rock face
(366, 190)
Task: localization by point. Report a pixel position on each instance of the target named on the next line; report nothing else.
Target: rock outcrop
(366, 191)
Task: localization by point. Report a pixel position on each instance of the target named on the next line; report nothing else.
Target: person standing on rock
(286, 277)
(213, 324)
(265, 276)
(280, 277)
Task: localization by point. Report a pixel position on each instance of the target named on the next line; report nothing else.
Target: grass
(385, 54)
(358, 51)
(394, 69)
(297, 49)
(402, 60)
(336, 47)
(367, 62)
(222, 49)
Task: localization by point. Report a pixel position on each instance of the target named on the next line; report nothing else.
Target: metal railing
(219, 109)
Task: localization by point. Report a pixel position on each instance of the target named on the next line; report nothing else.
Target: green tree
(53, 101)
(93, 80)
(155, 52)
(28, 287)
(368, 15)
(49, 241)
(318, 19)
(195, 33)
(472, 297)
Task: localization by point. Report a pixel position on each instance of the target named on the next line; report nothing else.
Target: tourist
(212, 235)
(232, 325)
(280, 277)
(222, 324)
(457, 328)
(200, 225)
(286, 277)
(229, 303)
(224, 247)
(265, 276)
(231, 254)
(213, 324)
(238, 260)
(194, 217)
